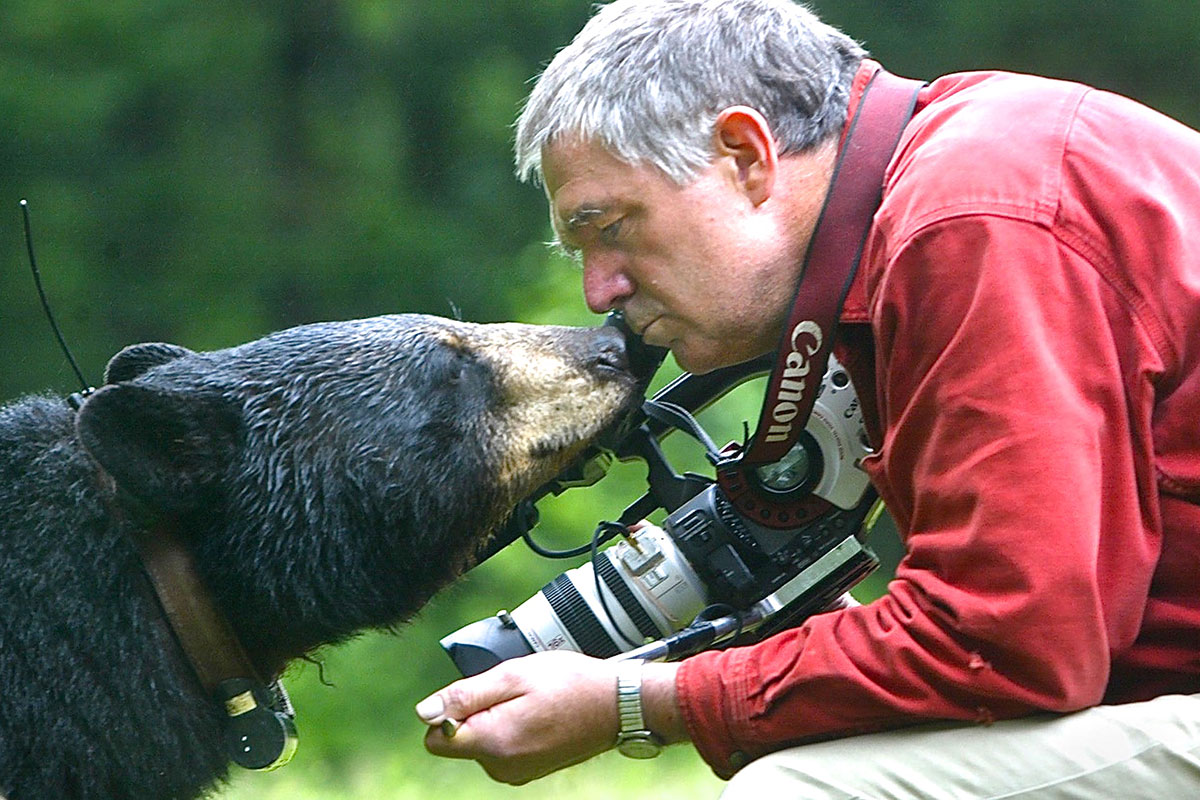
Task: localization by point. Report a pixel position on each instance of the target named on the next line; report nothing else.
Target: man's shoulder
(982, 142)
(1005, 109)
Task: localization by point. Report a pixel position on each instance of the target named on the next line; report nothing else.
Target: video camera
(754, 550)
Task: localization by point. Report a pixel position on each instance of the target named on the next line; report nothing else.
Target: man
(1024, 333)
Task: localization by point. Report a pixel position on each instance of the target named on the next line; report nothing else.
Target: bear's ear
(167, 449)
(137, 358)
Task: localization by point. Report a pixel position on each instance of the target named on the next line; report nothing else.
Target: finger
(439, 743)
(431, 710)
(461, 699)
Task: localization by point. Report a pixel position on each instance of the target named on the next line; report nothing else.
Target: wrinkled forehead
(584, 180)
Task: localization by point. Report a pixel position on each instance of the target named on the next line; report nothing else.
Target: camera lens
(582, 617)
(648, 591)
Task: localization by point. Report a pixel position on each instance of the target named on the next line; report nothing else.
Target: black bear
(325, 479)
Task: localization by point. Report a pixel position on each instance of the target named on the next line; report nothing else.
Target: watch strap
(629, 696)
(634, 739)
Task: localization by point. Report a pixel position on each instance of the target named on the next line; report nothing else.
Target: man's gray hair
(646, 79)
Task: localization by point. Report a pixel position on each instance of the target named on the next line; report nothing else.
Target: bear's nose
(608, 350)
(639, 358)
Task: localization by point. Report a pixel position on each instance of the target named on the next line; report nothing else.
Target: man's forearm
(660, 707)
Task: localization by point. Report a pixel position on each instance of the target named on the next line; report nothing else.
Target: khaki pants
(1139, 751)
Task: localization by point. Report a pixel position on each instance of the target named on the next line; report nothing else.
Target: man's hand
(528, 717)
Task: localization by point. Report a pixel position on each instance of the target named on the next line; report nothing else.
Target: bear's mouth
(627, 418)
(607, 430)
(553, 445)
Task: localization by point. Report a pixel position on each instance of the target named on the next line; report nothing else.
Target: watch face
(639, 745)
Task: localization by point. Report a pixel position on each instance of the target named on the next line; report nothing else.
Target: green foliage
(206, 172)
(1141, 48)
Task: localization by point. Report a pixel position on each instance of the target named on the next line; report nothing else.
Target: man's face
(703, 269)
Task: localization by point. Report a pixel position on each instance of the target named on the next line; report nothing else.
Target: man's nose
(606, 284)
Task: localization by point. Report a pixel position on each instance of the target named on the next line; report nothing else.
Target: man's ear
(167, 449)
(743, 134)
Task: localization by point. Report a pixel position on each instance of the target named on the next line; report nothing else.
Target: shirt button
(738, 759)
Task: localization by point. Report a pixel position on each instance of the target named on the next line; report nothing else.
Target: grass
(360, 740)
(408, 773)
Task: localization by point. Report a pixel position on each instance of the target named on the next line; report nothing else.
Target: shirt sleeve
(1010, 396)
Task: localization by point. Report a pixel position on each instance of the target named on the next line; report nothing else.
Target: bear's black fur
(327, 478)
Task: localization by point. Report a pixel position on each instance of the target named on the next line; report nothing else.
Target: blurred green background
(204, 173)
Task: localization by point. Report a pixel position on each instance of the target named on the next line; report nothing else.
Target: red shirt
(1032, 290)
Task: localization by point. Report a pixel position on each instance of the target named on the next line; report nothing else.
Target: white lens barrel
(649, 590)
(671, 592)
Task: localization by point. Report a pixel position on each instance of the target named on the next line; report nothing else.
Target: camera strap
(830, 264)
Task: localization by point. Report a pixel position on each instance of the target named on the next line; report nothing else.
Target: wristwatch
(633, 739)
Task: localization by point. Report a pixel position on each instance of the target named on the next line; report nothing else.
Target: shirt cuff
(710, 695)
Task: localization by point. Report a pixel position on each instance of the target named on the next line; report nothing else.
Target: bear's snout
(607, 351)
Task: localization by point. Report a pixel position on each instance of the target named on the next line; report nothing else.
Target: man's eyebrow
(584, 215)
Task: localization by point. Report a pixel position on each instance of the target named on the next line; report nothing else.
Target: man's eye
(610, 232)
